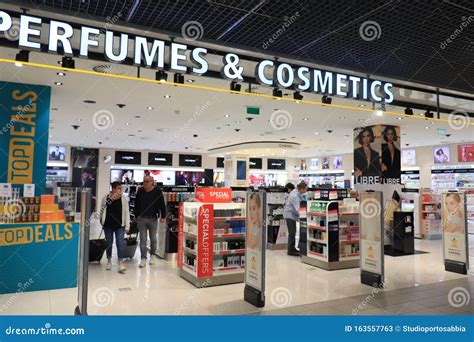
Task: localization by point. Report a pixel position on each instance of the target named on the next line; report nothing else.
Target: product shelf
(231, 251)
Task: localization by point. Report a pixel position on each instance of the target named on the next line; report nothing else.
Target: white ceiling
(173, 121)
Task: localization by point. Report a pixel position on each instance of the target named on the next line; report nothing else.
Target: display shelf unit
(320, 179)
(211, 243)
(332, 238)
(430, 215)
(410, 201)
(173, 197)
(470, 211)
(277, 231)
(68, 197)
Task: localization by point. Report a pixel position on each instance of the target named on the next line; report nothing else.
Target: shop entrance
(113, 126)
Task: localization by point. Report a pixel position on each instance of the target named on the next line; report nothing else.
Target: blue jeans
(109, 238)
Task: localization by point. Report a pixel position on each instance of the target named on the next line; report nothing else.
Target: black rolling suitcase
(130, 241)
(97, 248)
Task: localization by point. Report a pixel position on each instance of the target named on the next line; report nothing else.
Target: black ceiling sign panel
(416, 41)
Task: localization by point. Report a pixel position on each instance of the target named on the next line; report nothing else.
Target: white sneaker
(142, 263)
(109, 266)
(122, 268)
(152, 259)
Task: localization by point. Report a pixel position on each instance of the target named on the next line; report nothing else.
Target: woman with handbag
(115, 219)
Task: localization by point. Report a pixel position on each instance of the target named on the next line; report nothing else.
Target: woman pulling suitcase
(115, 219)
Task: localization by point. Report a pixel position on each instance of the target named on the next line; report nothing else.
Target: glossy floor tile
(292, 287)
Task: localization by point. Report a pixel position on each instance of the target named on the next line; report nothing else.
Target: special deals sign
(150, 53)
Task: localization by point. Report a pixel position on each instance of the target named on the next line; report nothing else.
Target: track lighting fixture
(428, 114)
(277, 92)
(297, 96)
(326, 99)
(68, 62)
(234, 86)
(178, 78)
(161, 76)
(408, 111)
(22, 56)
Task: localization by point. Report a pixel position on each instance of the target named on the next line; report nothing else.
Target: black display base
(77, 312)
(371, 279)
(456, 267)
(254, 297)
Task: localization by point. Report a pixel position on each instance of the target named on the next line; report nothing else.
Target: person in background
(390, 207)
(291, 213)
(115, 219)
(289, 187)
(149, 205)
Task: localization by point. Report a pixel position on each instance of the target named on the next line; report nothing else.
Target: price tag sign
(5, 190)
(29, 190)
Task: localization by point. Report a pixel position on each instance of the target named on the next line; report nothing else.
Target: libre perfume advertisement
(453, 216)
(371, 229)
(377, 157)
(255, 239)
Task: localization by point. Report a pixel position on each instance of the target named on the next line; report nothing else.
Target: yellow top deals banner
(24, 126)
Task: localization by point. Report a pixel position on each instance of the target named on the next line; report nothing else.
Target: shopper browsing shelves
(149, 205)
(115, 219)
(291, 215)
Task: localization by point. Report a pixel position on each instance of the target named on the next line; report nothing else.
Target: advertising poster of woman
(454, 226)
(391, 158)
(366, 155)
(254, 240)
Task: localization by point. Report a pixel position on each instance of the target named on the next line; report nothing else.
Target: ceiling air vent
(110, 69)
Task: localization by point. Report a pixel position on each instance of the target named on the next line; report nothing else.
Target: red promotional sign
(180, 234)
(214, 195)
(466, 153)
(205, 241)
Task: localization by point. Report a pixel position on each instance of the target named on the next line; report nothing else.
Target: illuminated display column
(24, 132)
(236, 171)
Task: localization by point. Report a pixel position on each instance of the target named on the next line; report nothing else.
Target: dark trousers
(291, 224)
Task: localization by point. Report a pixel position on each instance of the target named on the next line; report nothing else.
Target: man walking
(291, 213)
(149, 205)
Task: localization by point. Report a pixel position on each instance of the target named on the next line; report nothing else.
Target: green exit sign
(253, 110)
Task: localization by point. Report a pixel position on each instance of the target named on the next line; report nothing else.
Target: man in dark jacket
(149, 205)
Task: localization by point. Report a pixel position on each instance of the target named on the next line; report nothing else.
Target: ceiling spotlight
(167, 96)
(61, 74)
(362, 105)
(399, 118)
(379, 112)
(277, 92)
(161, 76)
(342, 118)
(149, 108)
(408, 111)
(58, 83)
(22, 56)
(428, 114)
(190, 80)
(234, 86)
(297, 95)
(305, 119)
(178, 78)
(316, 133)
(326, 99)
(120, 105)
(226, 116)
(427, 127)
(68, 62)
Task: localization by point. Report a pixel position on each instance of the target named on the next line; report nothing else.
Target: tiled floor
(452, 297)
(414, 283)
